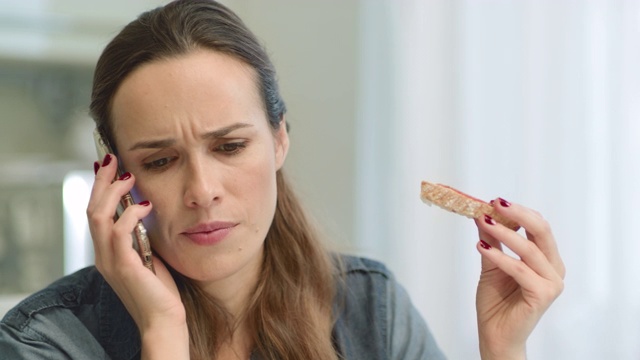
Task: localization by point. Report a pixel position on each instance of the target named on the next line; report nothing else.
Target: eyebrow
(163, 143)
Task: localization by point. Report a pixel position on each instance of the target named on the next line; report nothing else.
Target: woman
(189, 100)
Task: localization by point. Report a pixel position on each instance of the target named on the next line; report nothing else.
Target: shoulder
(79, 315)
(362, 307)
(359, 278)
(375, 317)
(65, 293)
(350, 265)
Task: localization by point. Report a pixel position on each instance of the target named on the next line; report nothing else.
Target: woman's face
(193, 131)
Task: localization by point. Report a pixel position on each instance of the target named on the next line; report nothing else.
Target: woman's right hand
(152, 300)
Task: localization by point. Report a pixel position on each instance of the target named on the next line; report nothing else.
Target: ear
(281, 143)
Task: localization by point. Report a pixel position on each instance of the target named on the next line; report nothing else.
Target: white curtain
(536, 101)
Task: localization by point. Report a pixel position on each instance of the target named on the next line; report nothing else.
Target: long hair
(290, 311)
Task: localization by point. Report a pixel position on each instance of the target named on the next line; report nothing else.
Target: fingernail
(144, 203)
(504, 203)
(107, 160)
(96, 167)
(125, 176)
(489, 220)
(484, 245)
(492, 202)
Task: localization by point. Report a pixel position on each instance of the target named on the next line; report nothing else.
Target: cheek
(139, 194)
(257, 188)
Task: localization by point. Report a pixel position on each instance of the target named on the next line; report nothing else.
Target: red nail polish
(484, 245)
(492, 202)
(504, 203)
(96, 167)
(107, 160)
(125, 176)
(489, 220)
(144, 203)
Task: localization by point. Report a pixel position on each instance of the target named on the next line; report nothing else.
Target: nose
(202, 185)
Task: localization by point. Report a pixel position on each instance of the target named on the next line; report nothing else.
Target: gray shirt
(80, 317)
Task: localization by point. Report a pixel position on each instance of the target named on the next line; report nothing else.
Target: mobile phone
(140, 239)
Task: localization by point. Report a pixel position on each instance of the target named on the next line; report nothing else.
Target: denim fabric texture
(80, 317)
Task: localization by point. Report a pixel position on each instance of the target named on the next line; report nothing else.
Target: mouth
(209, 233)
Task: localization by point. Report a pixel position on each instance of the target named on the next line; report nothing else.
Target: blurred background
(536, 101)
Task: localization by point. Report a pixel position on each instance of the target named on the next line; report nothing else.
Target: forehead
(202, 84)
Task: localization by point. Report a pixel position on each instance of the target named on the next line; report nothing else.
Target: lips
(209, 233)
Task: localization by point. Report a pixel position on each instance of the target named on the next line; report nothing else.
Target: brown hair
(290, 311)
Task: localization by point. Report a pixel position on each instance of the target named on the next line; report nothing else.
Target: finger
(101, 215)
(518, 270)
(537, 229)
(528, 251)
(99, 221)
(486, 262)
(105, 171)
(97, 207)
(124, 227)
(104, 201)
(544, 291)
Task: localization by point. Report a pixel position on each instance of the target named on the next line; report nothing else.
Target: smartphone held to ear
(141, 240)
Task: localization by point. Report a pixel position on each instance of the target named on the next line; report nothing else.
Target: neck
(234, 297)
(235, 291)
(239, 346)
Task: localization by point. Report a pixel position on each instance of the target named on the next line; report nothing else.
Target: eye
(231, 148)
(157, 164)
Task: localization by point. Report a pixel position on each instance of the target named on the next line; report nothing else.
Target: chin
(236, 266)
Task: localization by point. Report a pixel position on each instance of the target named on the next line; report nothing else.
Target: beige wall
(314, 45)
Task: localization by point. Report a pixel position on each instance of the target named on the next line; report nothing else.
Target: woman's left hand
(513, 294)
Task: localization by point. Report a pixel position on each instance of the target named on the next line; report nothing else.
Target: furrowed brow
(225, 130)
(153, 144)
(163, 143)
